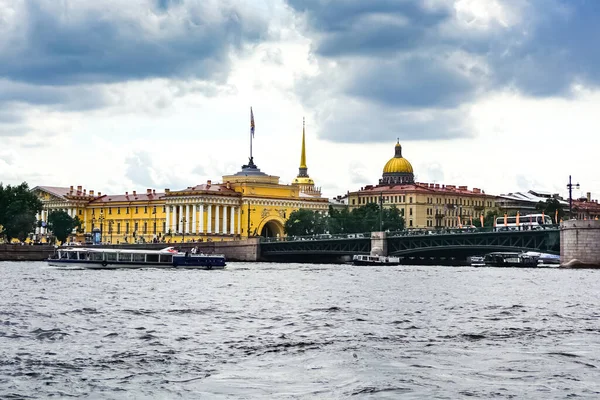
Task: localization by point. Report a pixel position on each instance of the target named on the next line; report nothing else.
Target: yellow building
(247, 203)
(424, 205)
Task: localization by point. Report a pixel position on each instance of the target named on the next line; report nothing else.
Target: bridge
(451, 244)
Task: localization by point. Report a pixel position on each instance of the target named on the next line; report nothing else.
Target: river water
(293, 331)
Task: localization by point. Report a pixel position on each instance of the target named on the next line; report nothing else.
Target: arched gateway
(271, 228)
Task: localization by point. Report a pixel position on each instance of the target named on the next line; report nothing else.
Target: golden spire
(303, 154)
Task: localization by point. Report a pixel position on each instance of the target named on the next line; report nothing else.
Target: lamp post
(110, 224)
(570, 187)
(101, 221)
(380, 211)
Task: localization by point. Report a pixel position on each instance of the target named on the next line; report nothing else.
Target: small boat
(510, 259)
(198, 261)
(477, 261)
(361, 259)
(109, 258)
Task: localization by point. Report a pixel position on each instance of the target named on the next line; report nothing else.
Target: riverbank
(19, 252)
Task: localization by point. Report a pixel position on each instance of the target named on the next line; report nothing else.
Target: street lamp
(110, 224)
(570, 186)
(380, 211)
(101, 221)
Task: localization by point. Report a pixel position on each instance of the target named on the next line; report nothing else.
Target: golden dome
(398, 165)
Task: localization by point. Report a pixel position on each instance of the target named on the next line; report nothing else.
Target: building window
(118, 227)
(136, 209)
(127, 210)
(80, 212)
(118, 210)
(164, 209)
(164, 227)
(93, 211)
(109, 211)
(410, 223)
(127, 227)
(410, 211)
(154, 210)
(352, 201)
(145, 209)
(145, 228)
(135, 227)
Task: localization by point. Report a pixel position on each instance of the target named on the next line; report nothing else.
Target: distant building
(423, 205)
(586, 208)
(526, 202)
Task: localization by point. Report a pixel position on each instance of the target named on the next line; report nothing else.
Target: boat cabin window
(84, 255)
(124, 257)
(151, 257)
(166, 258)
(139, 257)
(111, 256)
(72, 255)
(96, 256)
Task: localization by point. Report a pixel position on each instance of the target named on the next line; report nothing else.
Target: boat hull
(357, 262)
(83, 264)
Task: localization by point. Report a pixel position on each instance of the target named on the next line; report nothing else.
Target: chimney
(79, 189)
(84, 190)
(99, 194)
(228, 185)
(153, 191)
(134, 193)
(71, 190)
(91, 192)
(126, 193)
(437, 185)
(167, 190)
(148, 191)
(589, 196)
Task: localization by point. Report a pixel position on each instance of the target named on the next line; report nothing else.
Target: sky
(124, 95)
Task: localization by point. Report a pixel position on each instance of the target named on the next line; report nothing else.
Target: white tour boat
(109, 258)
(361, 259)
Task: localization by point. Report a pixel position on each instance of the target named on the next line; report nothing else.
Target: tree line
(18, 209)
(367, 218)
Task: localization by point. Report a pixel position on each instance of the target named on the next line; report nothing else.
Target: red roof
(111, 198)
(422, 188)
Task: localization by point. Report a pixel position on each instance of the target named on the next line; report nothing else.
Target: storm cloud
(410, 68)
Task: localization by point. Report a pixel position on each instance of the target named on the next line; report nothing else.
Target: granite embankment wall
(238, 250)
(580, 244)
(17, 252)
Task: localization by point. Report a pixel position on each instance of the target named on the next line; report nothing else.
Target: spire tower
(306, 184)
(303, 170)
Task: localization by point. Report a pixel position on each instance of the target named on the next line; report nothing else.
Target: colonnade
(43, 216)
(190, 219)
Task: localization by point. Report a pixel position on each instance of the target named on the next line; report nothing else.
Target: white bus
(526, 222)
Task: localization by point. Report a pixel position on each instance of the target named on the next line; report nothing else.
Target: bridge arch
(271, 227)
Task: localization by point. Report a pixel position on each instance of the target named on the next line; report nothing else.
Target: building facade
(245, 204)
(423, 205)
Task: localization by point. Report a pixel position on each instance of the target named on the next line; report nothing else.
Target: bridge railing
(322, 236)
(409, 232)
(446, 231)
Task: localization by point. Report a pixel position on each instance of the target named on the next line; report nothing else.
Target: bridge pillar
(579, 244)
(379, 244)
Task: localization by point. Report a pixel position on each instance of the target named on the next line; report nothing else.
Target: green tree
(339, 221)
(61, 224)
(549, 207)
(18, 208)
(304, 222)
(392, 220)
(490, 218)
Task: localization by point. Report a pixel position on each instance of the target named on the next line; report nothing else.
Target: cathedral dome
(398, 169)
(398, 165)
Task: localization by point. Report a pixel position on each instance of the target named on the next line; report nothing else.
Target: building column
(217, 212)
(224, 226)
(209, 219)
(74, 212)
(179, 217)
(174, 220)
(201, 216)
(187, 218)
(239, 220)
(231, 222)
(194, 218)
(167, 220)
